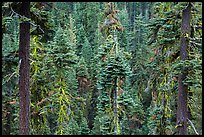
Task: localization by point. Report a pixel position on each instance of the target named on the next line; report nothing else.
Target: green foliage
(39, 122)
(167, 51)
(132, 113)
(62, 49)
(154, 117)
(113, 65)
(102, 71)
(123, 36)
(81, 39)
(73, 128)
(82, 70)
(87, 52)
(10, 71)
(84, 127)
(101, 124)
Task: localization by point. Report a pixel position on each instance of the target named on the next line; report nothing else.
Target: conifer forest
(101, 68)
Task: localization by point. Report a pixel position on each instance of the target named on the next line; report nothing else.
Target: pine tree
(111, 76)
(62, 52)
(96, 70)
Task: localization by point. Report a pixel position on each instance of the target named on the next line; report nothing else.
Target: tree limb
(193, 126)
(29, 21)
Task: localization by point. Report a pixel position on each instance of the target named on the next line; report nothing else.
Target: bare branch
(37, 26)
(29, 22)
(193, 126)
(16, 13)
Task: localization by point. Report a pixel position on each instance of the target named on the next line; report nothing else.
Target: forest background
(102, 68)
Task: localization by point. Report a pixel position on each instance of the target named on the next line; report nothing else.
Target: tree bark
(182, 88)
(24, 45)
(115, 110)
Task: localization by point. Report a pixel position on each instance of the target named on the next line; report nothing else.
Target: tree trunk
(134, 13)
(115, 110)
(92, 108)
(24, 69)
(183, 89)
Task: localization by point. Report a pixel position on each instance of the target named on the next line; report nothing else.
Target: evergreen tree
(111, 77)
(96, 70)
(62, 52)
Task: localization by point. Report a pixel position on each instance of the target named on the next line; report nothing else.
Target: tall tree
(24, 45)
(111, 75)
(85, 77)
(182, 88)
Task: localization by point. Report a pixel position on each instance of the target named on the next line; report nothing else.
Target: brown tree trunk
(183, 89)
(24, 45)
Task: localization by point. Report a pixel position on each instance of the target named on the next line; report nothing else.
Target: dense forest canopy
(102, 68)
